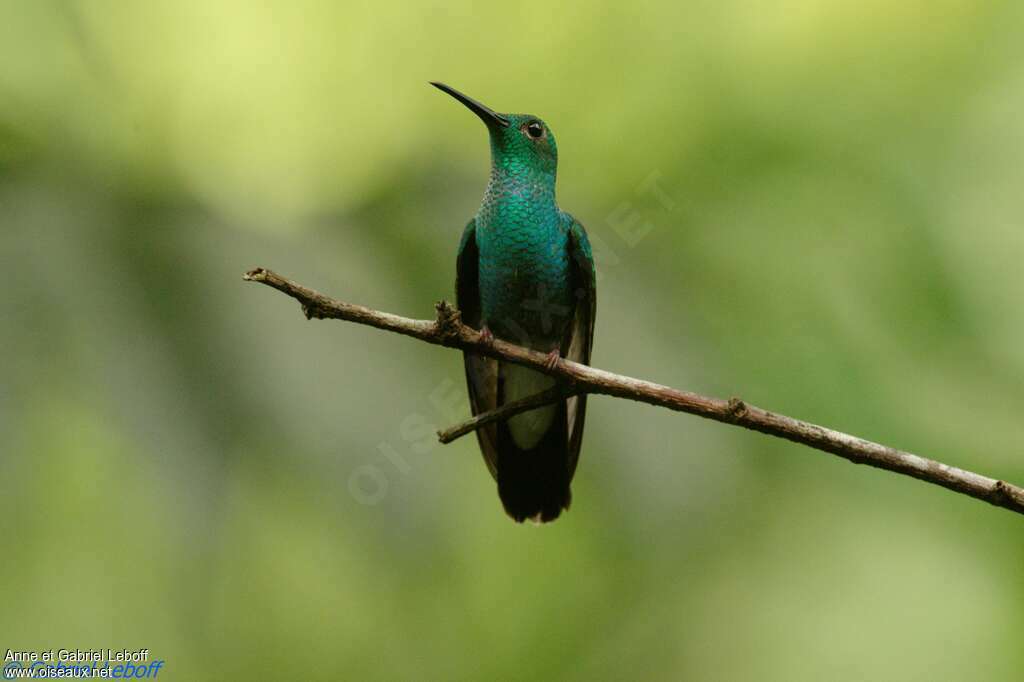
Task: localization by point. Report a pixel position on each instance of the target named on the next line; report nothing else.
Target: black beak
(486, 114)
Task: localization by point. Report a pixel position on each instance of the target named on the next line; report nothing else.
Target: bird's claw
(552, 360)
(486, 336)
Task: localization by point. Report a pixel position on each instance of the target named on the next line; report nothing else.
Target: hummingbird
(525, 274)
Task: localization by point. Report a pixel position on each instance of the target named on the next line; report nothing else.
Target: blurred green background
(814, 205)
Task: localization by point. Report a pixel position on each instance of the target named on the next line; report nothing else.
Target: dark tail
(534, 484)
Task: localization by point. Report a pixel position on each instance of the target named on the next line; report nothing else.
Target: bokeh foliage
(836, 235)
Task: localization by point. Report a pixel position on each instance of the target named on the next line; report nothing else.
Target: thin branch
(448, 330)
(552, 395)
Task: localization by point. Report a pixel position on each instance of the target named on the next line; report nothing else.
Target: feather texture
(534, 455)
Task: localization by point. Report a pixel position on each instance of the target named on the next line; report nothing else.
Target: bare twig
(448, 330)
(507, 410)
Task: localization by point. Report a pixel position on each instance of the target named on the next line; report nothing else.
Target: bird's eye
(534, 129)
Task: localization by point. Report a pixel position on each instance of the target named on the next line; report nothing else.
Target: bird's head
(519, 142)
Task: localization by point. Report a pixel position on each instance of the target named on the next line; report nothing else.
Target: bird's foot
(486, 336)
(552, 360)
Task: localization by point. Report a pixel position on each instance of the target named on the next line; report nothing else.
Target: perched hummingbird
(525, 274)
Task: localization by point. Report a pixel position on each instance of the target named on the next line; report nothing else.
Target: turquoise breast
(525, 290)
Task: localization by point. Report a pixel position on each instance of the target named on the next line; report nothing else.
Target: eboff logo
(16, 670)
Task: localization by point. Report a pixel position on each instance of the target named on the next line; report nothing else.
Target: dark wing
(580, 336)
(481, 372)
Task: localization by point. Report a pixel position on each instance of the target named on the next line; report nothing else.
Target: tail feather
(534, 483)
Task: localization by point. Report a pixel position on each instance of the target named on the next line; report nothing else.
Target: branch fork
(448, 330)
